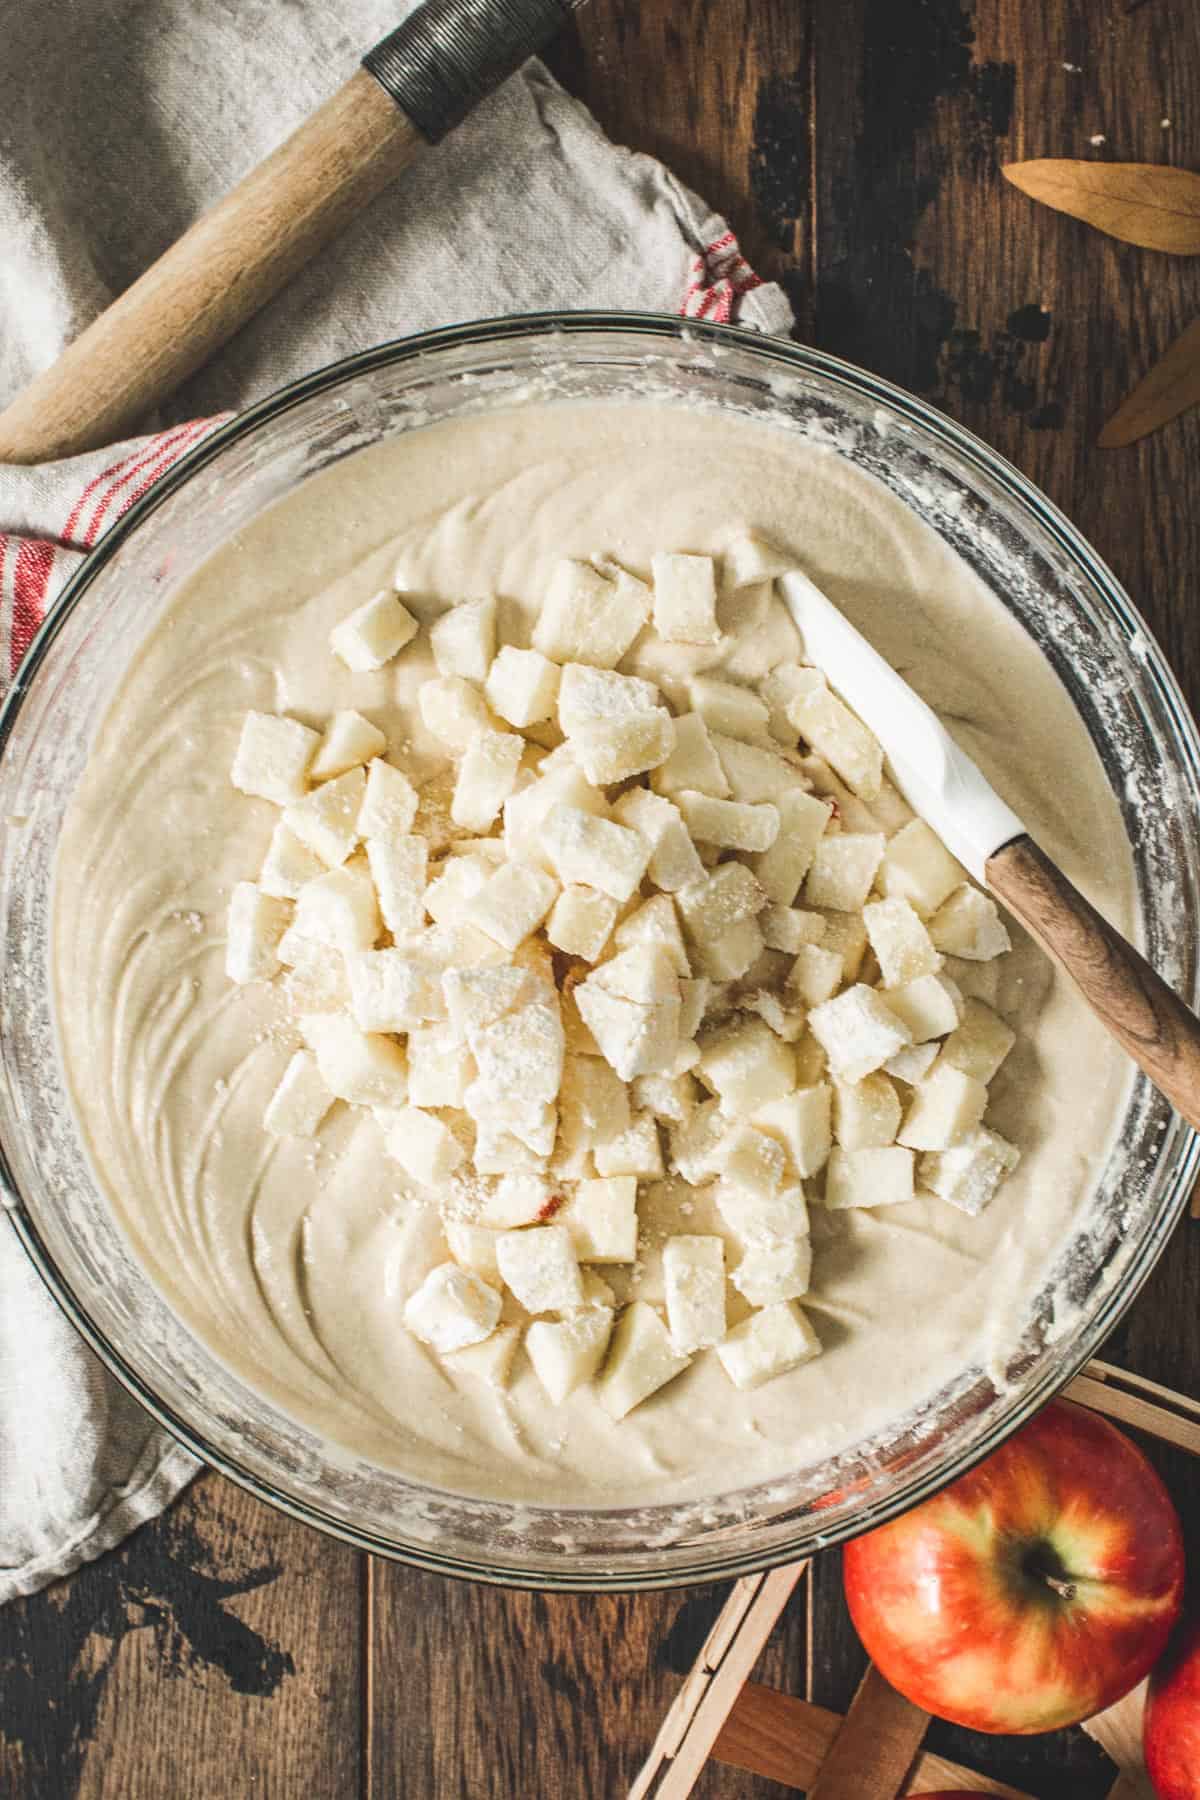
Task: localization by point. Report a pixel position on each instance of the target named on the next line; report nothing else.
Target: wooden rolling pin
(412, 88)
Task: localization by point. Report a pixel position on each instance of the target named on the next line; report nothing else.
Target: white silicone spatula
(943, 785)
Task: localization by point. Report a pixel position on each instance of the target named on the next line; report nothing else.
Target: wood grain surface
(855, 147)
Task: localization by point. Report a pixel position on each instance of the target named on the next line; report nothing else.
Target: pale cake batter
(293, 1262)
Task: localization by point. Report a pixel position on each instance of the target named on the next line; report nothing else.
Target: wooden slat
(217, 1652)
(875, 1747)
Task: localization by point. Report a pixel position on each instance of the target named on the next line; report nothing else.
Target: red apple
(1172, 1732)
(1031, 1593)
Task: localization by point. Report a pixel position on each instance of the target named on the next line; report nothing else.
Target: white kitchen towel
(125, 122)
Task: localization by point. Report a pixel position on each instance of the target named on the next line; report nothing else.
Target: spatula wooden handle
(233, 260)
(1150, 1021)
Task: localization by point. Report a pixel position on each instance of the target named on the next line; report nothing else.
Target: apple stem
(1066, 1590)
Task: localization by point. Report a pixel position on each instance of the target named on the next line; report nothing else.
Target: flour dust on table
(514, 1018)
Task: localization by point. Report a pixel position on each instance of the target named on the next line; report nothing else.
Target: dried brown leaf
(1172, 386)
(1142, 203)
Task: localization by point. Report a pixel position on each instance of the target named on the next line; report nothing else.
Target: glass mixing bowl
(1032, 560)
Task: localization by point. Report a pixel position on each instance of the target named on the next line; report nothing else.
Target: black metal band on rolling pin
(449, 54)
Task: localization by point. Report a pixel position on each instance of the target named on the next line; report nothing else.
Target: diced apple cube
(644, 972)
(398, 868)
(512, 903)
(594, 852)
(900, 942)
(440, 1067)
(326, 820)
(834, 733)
(540, 1269)
(811, 1061)
(750, 558)
(567, 1353)
(595, 1101)
(452, 1308)
(655, 925)
(913, 1063)
(693, 765)
(787, 1022)
(685, 598)
(526, 810)
(755, 774)
(693, 1003)
(866, 1178)
(460, 879)
(790, 929)
(373, 633)
(300, 1101)
(858, 1032)
(522, 686)
(273, 757)
(802, 821)
(390, 991)
(673, 859)
(728, 957)
(587, 696)
(846, 933)
(256, 922)
(581, 921)
(635, 1037)
(969, 925)
(694, 1278)
(747, 1066)
(389, 803)
(522, 1053)
(463, 640)
(842, 870)
(635, 1152)
(728, 708)
(316, 976)
(669, 1097)
(588, 619)
(769, 1343)
(348, 741)
(478, 997)
(491, 1360)
(801, 1121)
(980, 1043)
(772, 1272)
(533, 1122)
(486, 777)
(453, 711)
(498, 1152)
(730, 824)
(359, 1067)
(968, 1173)
(339, 909)
(944, 1108)
(426, 1149)
(614, 749)
(721, 900)
(764, 1218)
(695, 1144)
(866, 1114)
(918, 868)
(641, 1359)
(777, 690)
(816, 974)
(288, 865)
(753, 1162)
(601, 1217)
(520, 1197)
(930, 1006)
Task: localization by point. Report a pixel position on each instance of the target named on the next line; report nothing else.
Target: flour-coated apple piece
(694, 997)
(453, 711)
(834, 733)
(424, 1146)
(596, 852)
(587, 618)
(301, 1100)
(979, 1043)
(487, 775)
(913, 1063)
(846, 933)
(391, 991)
(903, 947)
(729, 824)
(440, 1066)
(522, 1053)
(498, 1152)
(526, 810)
(594, 1099)
(340, 908)
(755, 773)
(769, 1343)
(917, 867)
(534, 1122)
(457, 881)
(389, 803)
(969, 1172)
(858, 1032)
(476, 997)
(969, 925)
(727, 707)
(656, 924)
(746, 1065)
(463, 640)
(673, 1098)
(674, 861)
(694, 1144)
(349, 741)
(287, 865)
(866, 1113)
(944, 1108)
(491, 1360)
(522, 686)
(752, 1161)
(314, 977)
(255, 923)
(635, 1037)
(772, 1272)
(327, 818)
(581, 921)
(362, 1068)
(750, 558)
(843, 869)
(712, 906)
(777, 689)
(520, 1197)
(452, 1308)
(644, 972)
(867, 1178)
(273, 757)
(685, 598)
(728, 957)
(373, 633)
(815, 975)
(694, 1281)
(588, 696)
(787, 1022)
(802, 1122)
(641, 1359)
(512, 903)
(540, 1269)
(693, 765)
(635, 1152)
(601, 1216)
(803, 820)
(764, 1218)
(931, 1006)
(613, 750)
(399, 869)
(567, 1352)
(791, 928)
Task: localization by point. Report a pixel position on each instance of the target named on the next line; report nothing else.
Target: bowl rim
(1180, 1141)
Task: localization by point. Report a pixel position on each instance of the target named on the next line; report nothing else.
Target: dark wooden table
(855, 147)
